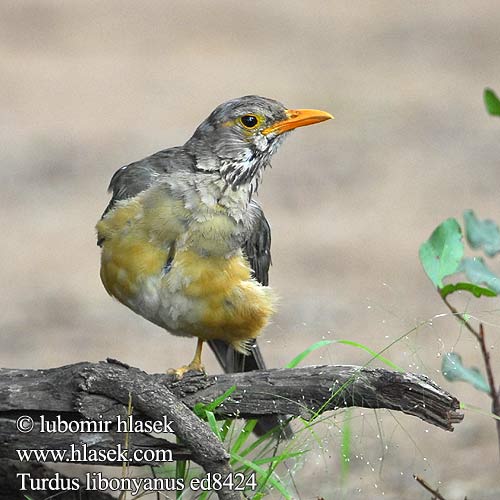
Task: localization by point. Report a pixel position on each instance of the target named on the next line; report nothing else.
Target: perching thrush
(185, 245)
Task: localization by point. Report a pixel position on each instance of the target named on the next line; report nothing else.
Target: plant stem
(461, 318)
(494, 393)
(429, 488)
(480, 337)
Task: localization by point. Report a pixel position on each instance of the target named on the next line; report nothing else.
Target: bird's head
(239, 137)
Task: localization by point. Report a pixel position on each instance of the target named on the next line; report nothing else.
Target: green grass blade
(478, 410)
(309, 427)
(244, 435)
(323, 343)
(264, 439)
(180, 472)
(295, 361)
(218, 401)
(345, 449)
(212, 422)
(375, 355)
(275, 482)
(279, 458)
(225, 428)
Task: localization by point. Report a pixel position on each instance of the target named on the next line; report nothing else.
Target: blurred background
(87, 87)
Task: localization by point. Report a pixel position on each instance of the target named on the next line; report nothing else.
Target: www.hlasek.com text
(84, 454)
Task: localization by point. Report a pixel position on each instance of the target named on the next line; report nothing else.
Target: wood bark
(102, 391)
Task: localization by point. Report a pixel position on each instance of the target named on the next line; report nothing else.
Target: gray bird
(185, 245)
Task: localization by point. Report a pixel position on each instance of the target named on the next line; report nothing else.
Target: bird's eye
(249, 121)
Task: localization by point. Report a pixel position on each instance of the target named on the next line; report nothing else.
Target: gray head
(239, 137)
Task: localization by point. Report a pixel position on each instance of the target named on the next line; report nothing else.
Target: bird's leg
(195, 365)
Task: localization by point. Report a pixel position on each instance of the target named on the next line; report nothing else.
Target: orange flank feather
(235, 307)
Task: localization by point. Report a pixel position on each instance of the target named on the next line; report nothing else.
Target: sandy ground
(89, 86)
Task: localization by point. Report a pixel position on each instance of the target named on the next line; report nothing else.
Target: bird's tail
(232, 362)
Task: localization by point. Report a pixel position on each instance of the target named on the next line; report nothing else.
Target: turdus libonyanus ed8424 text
(185, 245)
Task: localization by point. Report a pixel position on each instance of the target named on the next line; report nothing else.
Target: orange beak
(297, 118)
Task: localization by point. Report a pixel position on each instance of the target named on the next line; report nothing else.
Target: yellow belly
(206, 297)
(206, 291)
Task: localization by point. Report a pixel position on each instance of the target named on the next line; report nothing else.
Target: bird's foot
(192, 367)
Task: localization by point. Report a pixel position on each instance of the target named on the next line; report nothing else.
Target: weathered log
(103, 391)
(90, 389)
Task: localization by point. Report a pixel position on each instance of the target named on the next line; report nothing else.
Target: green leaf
(485, 233)
(476, 290)
(476, 270)
(441, 254)
(453, 369)
(492, 102)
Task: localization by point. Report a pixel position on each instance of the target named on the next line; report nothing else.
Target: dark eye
(249, 121)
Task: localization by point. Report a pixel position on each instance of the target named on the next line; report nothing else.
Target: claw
(192, 367)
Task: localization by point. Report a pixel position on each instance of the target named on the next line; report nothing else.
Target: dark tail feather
(233, 362)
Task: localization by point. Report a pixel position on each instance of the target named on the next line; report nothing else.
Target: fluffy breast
(183, 269)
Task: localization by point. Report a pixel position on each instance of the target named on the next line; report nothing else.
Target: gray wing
(132, 179)
(257, 249)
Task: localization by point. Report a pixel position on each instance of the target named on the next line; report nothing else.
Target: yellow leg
(195, 365)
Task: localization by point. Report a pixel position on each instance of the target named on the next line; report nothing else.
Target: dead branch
(435, 493)
(101, 391)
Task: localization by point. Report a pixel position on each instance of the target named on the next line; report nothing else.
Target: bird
(185, 244)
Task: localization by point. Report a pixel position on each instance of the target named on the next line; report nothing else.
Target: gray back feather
(136, 177)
